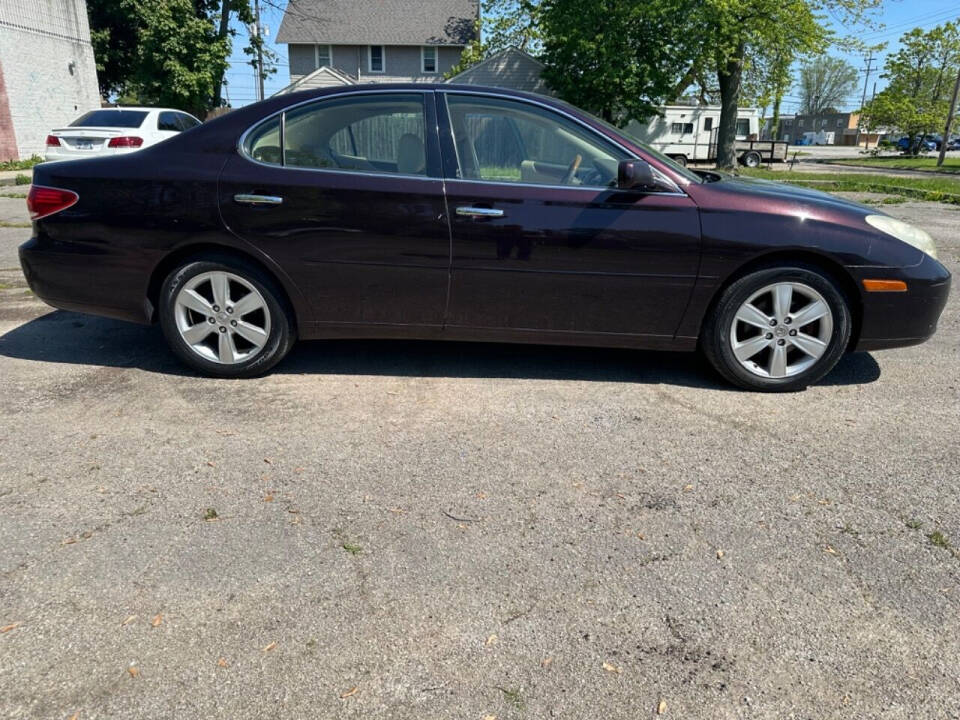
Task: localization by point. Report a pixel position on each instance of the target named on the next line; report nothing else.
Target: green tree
(825, 82)
(164, 52)
(916, 100)
(502, 24)
(620, 59)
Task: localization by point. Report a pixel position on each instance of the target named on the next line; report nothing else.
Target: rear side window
(111, 118)
(168, 121)
(186, 121)
(367, 133)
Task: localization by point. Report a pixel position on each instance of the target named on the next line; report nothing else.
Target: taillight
(44, 201)
(53, 141)
(125, 141)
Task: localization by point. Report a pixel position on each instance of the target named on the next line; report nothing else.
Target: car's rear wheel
(225, 317)
(778, 329)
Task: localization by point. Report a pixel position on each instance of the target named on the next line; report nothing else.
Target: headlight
(905, 232)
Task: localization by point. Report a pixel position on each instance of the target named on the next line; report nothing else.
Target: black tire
(716, 337)
(679, 159)
(282, 333)
(751, 159)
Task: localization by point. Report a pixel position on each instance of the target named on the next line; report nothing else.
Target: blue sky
(897, 16)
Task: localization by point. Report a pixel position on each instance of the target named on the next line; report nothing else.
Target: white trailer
(688, 133)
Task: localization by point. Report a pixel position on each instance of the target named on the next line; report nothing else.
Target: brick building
(47, 72)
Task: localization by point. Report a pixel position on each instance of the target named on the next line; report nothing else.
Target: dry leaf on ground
(350, 693)
(661, 707)
(157, 620)
(611, 668)
(134, 671)
(8, 628)
(491, 640)
(546, 662)
(268, 497)
(270, 647)
(719, 554)
(222, 662)
(130, 619)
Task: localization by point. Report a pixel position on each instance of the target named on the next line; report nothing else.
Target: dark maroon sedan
(412, 211)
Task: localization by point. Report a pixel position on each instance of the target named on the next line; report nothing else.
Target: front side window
(429, 59)
(368, 133)
(376, 59)
(708, 123)
(508, 141)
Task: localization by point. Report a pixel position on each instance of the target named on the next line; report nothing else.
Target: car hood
(773, 190)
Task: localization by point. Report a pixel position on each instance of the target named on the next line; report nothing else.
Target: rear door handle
(245, 199)
(479, 212)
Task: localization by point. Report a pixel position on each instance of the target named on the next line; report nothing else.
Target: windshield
(672, 164)
(111, 118)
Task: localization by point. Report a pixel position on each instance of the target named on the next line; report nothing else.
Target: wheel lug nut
(787, 321)
(781, 342)
(793, 332)
(216, 308)
(223, 330)
(229, 309)
(772, 322)
(769, 336)
(234, 323)
(211, 320)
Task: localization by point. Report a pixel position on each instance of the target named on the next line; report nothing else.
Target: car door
(168, 125)
(542, 241)
(345, 194)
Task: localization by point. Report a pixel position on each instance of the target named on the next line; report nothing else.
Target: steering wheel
(572, 170)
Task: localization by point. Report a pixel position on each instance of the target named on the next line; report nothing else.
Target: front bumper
(899, 319)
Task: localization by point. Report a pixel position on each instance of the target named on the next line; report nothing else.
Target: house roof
(379, 22)
(322, 77)
(510, 68)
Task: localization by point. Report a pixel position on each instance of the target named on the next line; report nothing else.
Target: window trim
(423, 59)
(316, 55)
(444, 112)
(383, 59)
(434, 170)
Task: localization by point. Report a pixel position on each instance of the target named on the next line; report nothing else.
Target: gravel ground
(425, 530)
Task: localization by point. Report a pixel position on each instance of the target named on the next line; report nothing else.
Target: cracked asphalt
(427, 530)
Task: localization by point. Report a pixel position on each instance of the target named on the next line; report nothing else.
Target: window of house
(376, 59)
(323, 55)
(708, 123)
(509, 141)
(743, 127)
(429, 58)
(839, 122)
(681, 128)
(370, 133)
(800, 122)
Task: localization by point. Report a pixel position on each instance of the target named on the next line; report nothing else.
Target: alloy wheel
(781, 330)
(222, 317)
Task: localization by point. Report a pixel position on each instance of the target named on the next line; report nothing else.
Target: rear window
(111, 118)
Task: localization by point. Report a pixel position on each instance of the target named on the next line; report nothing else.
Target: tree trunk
(222, 33)
(946, 129)
(775, 123)
(729, 76)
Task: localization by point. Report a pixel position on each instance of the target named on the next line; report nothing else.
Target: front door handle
(479, 212)
(245, 199)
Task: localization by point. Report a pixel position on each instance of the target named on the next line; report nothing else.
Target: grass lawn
(937, 189)
(927, 163)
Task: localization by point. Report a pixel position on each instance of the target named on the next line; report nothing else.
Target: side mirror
(635, 175)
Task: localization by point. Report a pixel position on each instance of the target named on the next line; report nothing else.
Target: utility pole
(946, 129)
(863, 100)
(256, 18)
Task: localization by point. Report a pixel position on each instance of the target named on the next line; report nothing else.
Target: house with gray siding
(344, 42)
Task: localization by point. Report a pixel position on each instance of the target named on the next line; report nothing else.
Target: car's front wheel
(778, 329)
(225, 317)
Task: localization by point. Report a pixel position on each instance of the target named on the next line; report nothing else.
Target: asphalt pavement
(471, 531)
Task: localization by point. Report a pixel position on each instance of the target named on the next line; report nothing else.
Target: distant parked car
(926, 144)
(115, 131)
(954, 144)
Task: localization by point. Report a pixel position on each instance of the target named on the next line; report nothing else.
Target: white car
(114, 131)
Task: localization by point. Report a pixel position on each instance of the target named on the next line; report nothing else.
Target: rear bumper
(899, 319)
(84, 281)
